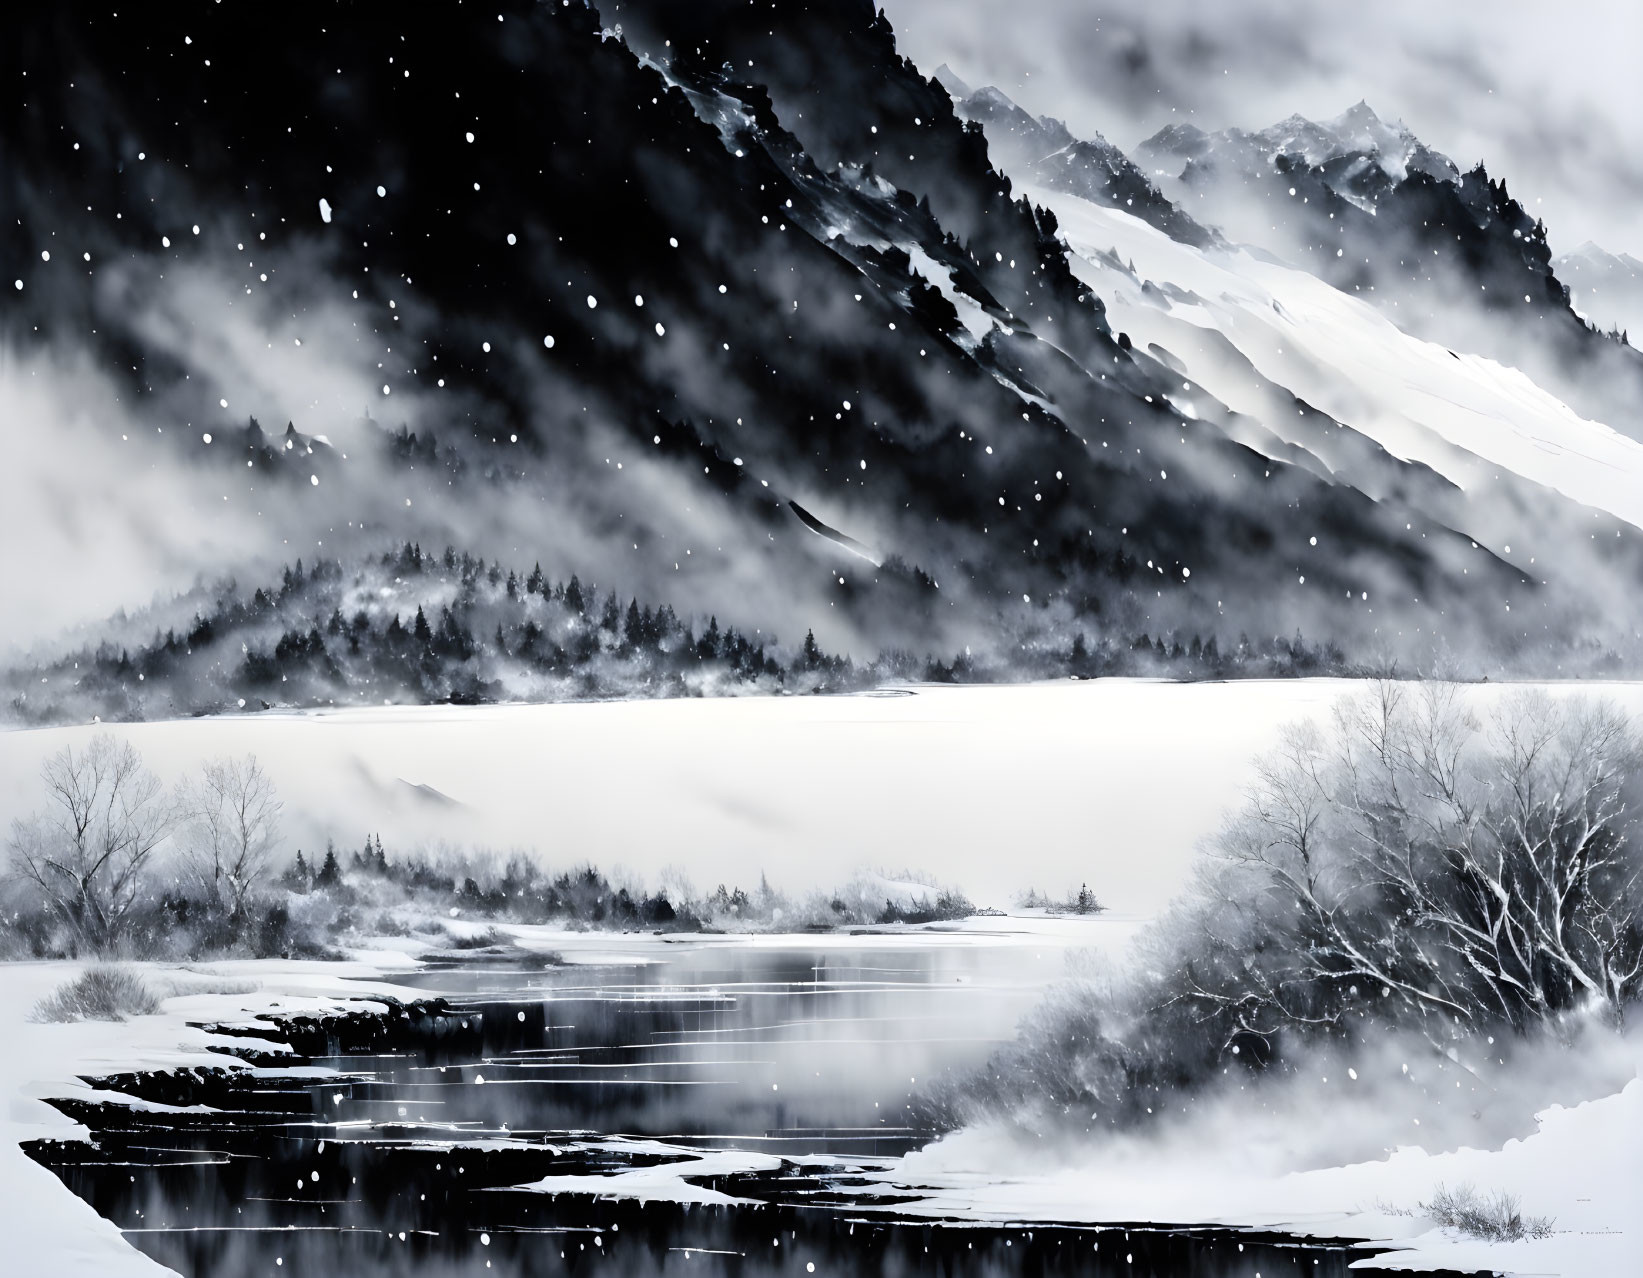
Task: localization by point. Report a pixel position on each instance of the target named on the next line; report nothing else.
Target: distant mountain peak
(1359, 131)
(995, 95)
(1359, 112)
(1592, 252)
(992, 107)
(1042, 149)
(948, 79)
(1605, 288)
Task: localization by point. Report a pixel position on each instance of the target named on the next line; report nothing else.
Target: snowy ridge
(1358, 132)
(1418, 400)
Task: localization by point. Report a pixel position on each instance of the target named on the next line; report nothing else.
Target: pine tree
(573, 595)
(330, 873)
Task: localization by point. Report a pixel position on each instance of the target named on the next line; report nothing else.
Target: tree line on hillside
(408, 626)
(412, 627)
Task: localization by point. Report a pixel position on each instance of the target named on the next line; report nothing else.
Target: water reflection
(785, 1050)
(758, 1081)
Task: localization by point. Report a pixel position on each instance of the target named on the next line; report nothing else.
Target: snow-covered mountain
(1357, 201)
(1366, 205)
(741, 314)
(1606, 288)
(1361, 152)
(1041, 150)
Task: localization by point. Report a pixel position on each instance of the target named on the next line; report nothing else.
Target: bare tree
(232, 813)
(1408, 866)
(86, 852)
(1558, 872)
(1415, 864)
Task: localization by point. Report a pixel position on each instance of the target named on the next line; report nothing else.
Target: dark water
(399, 1149)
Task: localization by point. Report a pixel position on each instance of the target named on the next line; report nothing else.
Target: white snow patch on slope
(1415, 398)
(971, 314)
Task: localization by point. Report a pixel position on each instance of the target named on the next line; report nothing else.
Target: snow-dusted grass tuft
(102, 993)
(488, 939)
(1496, 1217)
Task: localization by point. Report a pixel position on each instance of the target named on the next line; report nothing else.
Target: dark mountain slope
(777, 271)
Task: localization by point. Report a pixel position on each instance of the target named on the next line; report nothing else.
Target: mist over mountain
(1040, 149)
(413, 627)
(1368, 206)
(1606, 288)
(723, 306)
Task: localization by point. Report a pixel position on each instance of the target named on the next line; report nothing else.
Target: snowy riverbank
(49, 1230)
(1581, 1165)
(1250, 1164)
(993, 789)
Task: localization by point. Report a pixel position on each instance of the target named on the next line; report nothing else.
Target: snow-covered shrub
(101, 993)
(485, 940)
(1414, 866)
(1081, 901)
(1408, 870)
(1496, 1217)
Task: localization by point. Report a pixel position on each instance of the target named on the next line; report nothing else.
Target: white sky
(1549, 96)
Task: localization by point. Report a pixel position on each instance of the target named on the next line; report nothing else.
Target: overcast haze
(1548, 97)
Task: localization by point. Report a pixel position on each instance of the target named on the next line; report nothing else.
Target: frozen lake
(991, 789)
(708, 1107)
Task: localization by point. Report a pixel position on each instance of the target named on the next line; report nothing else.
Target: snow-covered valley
(994, 790)
(1159, 763)
(654, 640)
